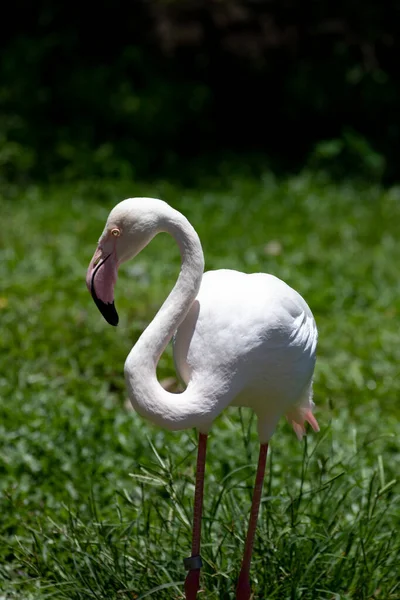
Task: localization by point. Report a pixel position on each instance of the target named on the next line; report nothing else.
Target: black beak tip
(108, 311)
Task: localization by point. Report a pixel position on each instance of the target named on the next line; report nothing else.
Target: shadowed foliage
(152, 86)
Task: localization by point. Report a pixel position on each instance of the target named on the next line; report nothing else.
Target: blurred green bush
(146, 87)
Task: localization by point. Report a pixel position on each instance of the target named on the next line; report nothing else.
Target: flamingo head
(130, 226)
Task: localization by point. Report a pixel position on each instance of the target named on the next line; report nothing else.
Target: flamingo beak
(101, 277)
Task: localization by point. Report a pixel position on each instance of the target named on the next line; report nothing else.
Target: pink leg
(193, 564)
(243, 590)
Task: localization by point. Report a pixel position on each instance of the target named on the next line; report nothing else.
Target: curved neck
(173, 411)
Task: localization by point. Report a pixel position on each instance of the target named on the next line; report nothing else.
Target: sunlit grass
(96, 503)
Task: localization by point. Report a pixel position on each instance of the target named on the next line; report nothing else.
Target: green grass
(95, 503)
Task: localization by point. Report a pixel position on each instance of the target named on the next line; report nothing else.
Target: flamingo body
(250, 340)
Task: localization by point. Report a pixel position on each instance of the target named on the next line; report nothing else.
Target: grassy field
(95, 503)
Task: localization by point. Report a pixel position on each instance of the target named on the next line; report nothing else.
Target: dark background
(182, 87)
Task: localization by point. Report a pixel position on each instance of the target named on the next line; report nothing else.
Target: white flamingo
(239, 339)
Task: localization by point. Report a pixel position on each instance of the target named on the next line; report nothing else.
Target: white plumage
(249, 340)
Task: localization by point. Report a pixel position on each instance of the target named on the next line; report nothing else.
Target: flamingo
(238, 339)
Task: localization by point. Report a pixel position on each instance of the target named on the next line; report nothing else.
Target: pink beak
(101, 277)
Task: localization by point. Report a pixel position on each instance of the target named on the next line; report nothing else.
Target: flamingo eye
(115, 232)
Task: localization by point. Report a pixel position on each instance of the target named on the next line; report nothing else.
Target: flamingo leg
(193, 563)
(243, 589)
